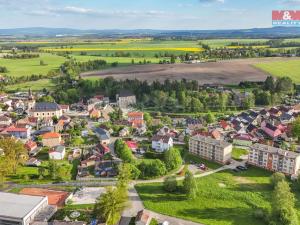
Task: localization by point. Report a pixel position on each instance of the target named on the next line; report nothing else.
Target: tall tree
(14, 151)
(296, 129)
(283, 205)
(110, 205)
(172, 159)
(189, 185)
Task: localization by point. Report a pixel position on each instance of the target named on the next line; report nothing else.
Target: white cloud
(290, 2)
(73, 10)
(211, 1)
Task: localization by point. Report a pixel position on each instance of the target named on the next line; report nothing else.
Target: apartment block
(211, 149)
(275, 159)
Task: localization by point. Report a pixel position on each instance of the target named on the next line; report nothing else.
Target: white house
(162, 143)
(57, 152)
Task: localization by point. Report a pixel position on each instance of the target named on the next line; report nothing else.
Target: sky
(141, 14)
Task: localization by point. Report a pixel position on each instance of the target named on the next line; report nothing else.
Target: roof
(59, 148)
(16, 129)
(64, 106)
(211, 141)
(271, 127)
(50, 135)
(17, 205)
(125, 93)
(4, 118)
(46, 106)
(54, 197)
(135, 114)
(164, 138)
(30, 144)
(279, 151)
(131, 144)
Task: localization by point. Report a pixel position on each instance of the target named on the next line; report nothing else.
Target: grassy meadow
(27, 67)
(282, 68)
(224, 198)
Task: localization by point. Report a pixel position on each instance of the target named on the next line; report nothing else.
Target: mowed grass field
(34, 85)
(27, 67)
(223, 198)
(289, 68)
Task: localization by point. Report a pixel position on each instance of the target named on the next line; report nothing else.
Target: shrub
(170, 184)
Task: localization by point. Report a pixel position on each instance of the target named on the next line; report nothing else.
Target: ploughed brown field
(222, 72)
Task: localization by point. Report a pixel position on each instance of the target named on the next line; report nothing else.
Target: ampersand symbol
(286, 15)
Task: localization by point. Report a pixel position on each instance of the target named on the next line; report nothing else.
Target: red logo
(287, 15)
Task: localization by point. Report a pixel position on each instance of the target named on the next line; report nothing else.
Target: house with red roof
(226, 126)
(51, 139)
(135, 116)
(271, 130)
(132, 145)
(30, 146)
(65, 108)
(18, 132)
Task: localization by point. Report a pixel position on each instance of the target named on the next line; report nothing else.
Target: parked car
(165, 223)
(243, 168)
(202, 166)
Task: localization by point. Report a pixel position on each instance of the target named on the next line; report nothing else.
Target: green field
(34, 85)
(27, 67)
(282, 68)
(222, 199)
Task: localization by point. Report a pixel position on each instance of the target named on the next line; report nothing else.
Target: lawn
(284, 68)
(34, 85)
(192, 159)
(223, 198)
(238, 152)
(26, 174)
(27, 67)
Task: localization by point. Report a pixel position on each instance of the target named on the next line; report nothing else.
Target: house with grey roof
(17, 209)
(46, 110)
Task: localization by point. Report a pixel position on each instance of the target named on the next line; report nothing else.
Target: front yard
(223, 198)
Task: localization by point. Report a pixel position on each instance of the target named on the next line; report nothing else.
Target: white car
(165, 223)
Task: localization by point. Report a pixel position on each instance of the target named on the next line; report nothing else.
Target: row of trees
(21, 56)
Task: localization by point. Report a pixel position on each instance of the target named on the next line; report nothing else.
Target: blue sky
(141, 14)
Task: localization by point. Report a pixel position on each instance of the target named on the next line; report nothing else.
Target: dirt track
(223, 72)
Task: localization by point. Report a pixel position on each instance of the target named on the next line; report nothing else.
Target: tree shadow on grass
(232, 216)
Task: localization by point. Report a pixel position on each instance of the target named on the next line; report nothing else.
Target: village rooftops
(273, 150)
(210, 140)
(46, 106)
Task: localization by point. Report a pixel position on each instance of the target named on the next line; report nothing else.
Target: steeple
(30, 96)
